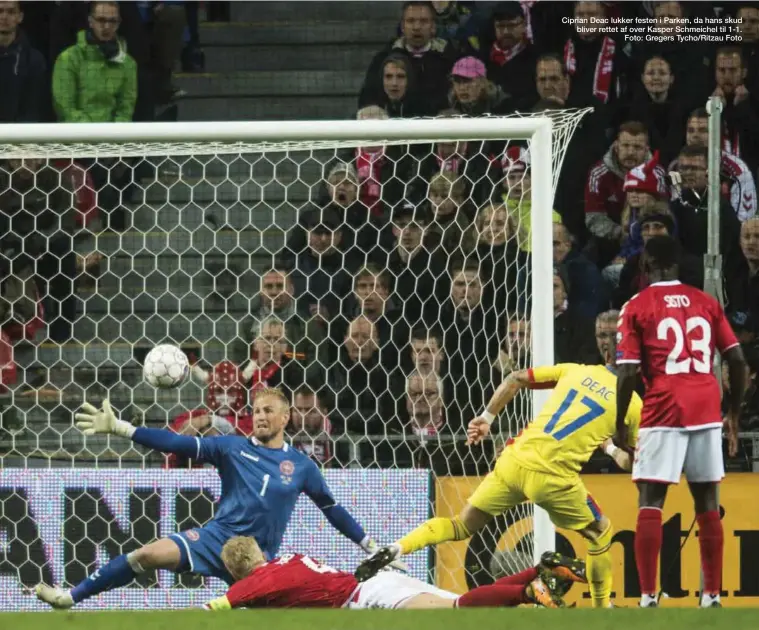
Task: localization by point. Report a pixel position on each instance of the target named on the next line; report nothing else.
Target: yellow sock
(433, 532)
(598, 564)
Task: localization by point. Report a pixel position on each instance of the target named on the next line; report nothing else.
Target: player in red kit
(296, 581)
(670, 331)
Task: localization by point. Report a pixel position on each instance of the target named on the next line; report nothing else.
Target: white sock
(647, 600)
(707, 600)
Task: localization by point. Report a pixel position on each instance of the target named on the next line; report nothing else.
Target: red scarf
(501, 57)
(604, 67)
(369, 167)
(450, 164)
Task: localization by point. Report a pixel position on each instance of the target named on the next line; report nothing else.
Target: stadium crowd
(402, 296)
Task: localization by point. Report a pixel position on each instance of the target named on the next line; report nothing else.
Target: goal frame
(537, 130)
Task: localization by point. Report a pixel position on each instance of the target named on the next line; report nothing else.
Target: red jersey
(672, 329)
(293, 581)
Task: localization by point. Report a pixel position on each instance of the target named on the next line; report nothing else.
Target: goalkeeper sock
(118, 572)
(493, 595)
(598, 563)
(433, 532)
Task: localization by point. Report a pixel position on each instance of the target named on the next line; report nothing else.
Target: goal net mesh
(386, 289)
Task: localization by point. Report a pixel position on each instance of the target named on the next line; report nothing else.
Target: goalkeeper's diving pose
(261, 479)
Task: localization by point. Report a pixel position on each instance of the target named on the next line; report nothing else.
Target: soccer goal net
(387, 275)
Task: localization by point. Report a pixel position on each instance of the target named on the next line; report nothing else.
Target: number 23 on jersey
(695, 341)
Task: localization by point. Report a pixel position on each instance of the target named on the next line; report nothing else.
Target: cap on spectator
(508, 11)
(322, 221)
(348, 171)
(659, 217)
(742, 321)
(408, 210)
(469, 68)
(643, 178)
(516, 158)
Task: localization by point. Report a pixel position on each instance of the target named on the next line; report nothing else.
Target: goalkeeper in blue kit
(261, 480)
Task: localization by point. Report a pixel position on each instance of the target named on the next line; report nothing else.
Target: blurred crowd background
(385, 289)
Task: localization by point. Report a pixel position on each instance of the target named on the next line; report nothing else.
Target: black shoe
(563, 567)
(374, 564)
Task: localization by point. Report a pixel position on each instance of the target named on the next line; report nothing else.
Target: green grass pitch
(483, 619)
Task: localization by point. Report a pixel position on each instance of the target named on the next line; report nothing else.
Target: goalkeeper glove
(369, 545)
(92, 420)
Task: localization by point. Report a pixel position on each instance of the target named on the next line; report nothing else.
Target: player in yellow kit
(543, 465)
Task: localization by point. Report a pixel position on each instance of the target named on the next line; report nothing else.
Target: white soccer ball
(166, 366)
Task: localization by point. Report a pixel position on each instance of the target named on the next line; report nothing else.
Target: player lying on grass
(261, 480)
(296, 581)
(669, 332)
(543, 464)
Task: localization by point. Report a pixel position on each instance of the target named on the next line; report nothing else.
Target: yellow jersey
(578, 417)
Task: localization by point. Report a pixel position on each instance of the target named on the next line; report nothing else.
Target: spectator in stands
(469, 329)
(19, 296)
(472, 94)
(742, 286)
(277, 297)
(587, 292)
(516, 185)
(431, 57)
(449, 231)
(36, 211)
(452, 19)
(167, 34)
(690, 65)
(310, 428)
(467, 161)
(226, 411)
(574, 340)
(514, 353)
(364, 389)
(553, 85)
(604, 194)
(660, 106)
(738, 183)
(22, 71)
(400, 96)
(418, 274)
(592, 60)
(96, 80)
(739, 114)
(633, 278)
(749, 27)
(691, 217)
(274, 364)
(508, 54)
(424, 403)
(372, 298)
(606, 334)
(503, 264)
(426, 350)
(321, 271)
(642, 196)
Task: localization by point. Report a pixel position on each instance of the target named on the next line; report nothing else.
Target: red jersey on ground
(293, 581)
(672, 329)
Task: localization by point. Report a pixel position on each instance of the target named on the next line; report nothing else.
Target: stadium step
(303, 107)
(337, 56)
(289, 32)
(236, 217)
(181, 242)
(272, 84)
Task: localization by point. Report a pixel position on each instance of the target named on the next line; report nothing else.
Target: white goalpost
(261, 183)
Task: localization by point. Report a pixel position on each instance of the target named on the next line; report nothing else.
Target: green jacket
(89, 88)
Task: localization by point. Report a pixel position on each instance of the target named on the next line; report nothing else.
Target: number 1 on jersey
(265, 485)
(594, 411)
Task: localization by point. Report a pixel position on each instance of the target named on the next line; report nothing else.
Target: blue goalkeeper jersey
(260, 486)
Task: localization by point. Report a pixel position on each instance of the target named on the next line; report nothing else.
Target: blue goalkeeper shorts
(200, 549)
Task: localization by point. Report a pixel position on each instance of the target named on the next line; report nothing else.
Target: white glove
(369, 545)
(93, 420)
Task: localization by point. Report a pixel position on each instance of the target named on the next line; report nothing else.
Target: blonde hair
(446, 185)
(512, 227)
(240, 555)
(273, 392)
(371, 112)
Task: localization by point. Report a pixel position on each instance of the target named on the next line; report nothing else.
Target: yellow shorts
(566, 499)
